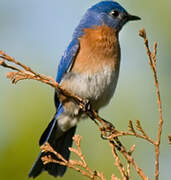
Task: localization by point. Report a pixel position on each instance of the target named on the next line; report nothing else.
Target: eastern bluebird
(90, 69)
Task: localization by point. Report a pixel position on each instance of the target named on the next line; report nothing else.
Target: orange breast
(99, 47)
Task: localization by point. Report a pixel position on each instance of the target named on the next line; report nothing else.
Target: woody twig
(152, 62)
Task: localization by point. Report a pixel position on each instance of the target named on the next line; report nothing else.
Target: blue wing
(67, 59)
(66, 63)
(64, 66)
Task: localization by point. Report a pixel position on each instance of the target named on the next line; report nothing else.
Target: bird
(88, 68)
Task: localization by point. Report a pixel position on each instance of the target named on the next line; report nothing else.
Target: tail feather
(60, 142)
(37, 167)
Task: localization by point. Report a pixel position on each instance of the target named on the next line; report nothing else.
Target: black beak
(133, 18)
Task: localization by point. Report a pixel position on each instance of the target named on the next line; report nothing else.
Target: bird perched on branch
(90, 69)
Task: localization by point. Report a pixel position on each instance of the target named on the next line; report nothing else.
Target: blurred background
(37, 33)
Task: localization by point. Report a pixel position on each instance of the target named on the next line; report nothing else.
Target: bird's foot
(85, 105)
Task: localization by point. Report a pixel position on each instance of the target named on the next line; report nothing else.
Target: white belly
(98, 88)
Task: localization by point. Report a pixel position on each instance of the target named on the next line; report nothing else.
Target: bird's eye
(114, 13)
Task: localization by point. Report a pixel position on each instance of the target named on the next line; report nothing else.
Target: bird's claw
(85, 105)
(107, 130)
(108, 126)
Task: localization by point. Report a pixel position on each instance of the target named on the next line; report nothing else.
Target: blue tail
(60, 142)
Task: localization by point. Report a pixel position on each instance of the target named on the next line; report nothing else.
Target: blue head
(109, 13)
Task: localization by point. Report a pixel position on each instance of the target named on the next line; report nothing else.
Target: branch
(130, 159)
(132, 132)
(118, 162)
(152, 62)
(129, 163)
(78, 165)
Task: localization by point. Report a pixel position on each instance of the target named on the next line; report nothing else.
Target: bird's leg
(84, 105)
(108, 126)
(107, 130)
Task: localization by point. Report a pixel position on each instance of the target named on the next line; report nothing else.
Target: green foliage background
(37, 33)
